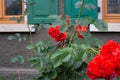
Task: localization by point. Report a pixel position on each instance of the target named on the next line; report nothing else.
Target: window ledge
(112, 27)
(15, 28)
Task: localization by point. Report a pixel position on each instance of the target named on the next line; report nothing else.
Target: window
(9, 9)
(111, 10)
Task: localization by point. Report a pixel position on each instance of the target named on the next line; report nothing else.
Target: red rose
(79, 35)
(81, 29)
(111, 58)
(100, 67)
(61, 36)
(111, 50)
(118, 66)
(68, 20)
(55, 33)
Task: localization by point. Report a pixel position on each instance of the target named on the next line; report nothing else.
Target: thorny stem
(31, 39)
(72, 38)
(81, 8)
(92, 49)
(30, 34)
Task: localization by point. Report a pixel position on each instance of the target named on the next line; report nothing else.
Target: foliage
(66, 58)
(18, 37)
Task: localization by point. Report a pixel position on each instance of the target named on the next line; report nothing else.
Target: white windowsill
(15, 28)
(112, 27)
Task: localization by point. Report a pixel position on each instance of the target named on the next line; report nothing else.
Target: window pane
(13, 7)
(113, 6)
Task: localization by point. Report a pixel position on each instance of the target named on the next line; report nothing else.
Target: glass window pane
(13, 7)
(113, 6)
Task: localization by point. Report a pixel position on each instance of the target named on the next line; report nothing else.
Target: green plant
(73, 47)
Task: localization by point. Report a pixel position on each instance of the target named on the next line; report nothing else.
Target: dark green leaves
(41, 26)
(40, 47)
(41, 64)
(85, 21)
(19, 59)
(90, 6)
(87, 6)
(18, 19)
(18, 37)
(78, 4)
(63, 56)
(101, 25)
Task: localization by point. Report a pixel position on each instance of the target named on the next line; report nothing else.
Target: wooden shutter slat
(73, 12)
(41, 9)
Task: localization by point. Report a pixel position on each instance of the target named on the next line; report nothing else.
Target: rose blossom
(81, 29)
(55, 33)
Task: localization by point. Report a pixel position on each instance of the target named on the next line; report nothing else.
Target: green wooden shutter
(39, 10)
(73, 12)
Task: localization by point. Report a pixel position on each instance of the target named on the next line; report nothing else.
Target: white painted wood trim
(16, 28)
(112, 27)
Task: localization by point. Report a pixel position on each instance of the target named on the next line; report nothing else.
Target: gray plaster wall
(10, 49)
(107, 36)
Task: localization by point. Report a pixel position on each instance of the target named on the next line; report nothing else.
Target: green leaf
(84, 57)
(67, 58)
(24, 37)
(2, 78)
(79, 60)
(57, 63)
(13, 18)
(78, 4)
(17, 19)
(101, 25)
(83, 47)
(17, 36)
(63, 56)
(41, 26)
(26, 12)
(118, 78)
(85, 21)
(41, 63)
(11, 37)
(71, 61)
(53, 56)
(53, 16)
(63, 28)
(77, 64)
(30, 46)
(90, 6)
(19, 59)
(40, 47)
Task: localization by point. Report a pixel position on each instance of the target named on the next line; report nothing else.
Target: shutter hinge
(99, 9)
